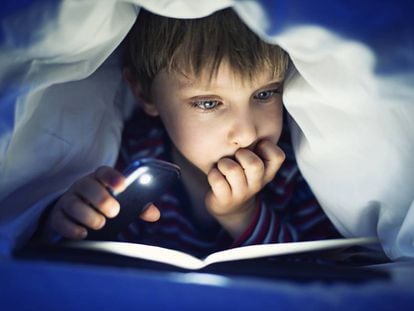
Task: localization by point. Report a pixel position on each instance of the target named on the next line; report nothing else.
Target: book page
(147, 252)
(275, 249)
(186, 261)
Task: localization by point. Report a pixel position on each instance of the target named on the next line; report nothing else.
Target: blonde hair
(190, 46)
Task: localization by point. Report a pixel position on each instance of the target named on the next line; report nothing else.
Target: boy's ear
(136, 89)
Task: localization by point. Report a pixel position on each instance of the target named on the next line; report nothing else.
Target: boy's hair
(190, 46)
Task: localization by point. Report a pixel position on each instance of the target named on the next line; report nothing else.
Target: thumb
(151, 213)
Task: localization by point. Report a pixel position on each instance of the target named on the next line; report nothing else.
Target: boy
(211, 97)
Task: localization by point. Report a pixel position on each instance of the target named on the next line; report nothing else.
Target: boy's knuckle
(69, 205)
(227, 165)
(232, 168)
(242, 153)
(213, 178)
(237, 197)
(101, 201)
(226, 200)
(256, 165)
(219, 182)
(75, 208)
(275, 167)
(223, 197)
(67, 208)
(256, 187)
(253, 160)
(268, 178)
(280, 155)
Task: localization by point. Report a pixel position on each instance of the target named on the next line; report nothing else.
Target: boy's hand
(88, 203)
(235, 183)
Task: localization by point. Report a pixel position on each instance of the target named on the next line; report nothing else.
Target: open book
(186, 261)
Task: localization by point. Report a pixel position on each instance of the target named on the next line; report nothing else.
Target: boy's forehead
(223, 78)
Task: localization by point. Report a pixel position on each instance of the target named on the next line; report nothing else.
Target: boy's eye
(263, 95)
(206, 104)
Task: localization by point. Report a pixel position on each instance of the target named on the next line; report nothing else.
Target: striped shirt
(286, 209)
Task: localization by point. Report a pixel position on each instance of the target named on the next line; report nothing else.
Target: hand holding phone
(146, 180)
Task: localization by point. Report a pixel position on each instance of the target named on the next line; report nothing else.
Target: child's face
(211, 119)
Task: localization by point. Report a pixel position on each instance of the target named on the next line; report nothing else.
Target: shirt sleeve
(293, 215)
(261, 229)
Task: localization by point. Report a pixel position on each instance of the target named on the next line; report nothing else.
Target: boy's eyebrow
(278, 81)
(199, 85)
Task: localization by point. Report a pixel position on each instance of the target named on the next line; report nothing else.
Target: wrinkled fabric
(62, 104)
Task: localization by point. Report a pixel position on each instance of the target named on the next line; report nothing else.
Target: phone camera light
(145, 179)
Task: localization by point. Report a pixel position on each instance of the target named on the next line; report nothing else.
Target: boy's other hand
(235, 183)
(88, 202)
(151, 213)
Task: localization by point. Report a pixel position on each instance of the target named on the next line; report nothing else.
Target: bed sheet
(350, 103)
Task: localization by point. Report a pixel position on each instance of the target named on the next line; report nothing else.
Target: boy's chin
(206, 169)
(200, 168)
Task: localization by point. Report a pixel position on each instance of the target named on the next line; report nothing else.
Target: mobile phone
(146, 180)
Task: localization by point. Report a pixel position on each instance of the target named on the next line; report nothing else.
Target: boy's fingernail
(114, 211)
(83, 233)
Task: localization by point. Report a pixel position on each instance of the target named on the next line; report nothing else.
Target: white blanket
(62, 104)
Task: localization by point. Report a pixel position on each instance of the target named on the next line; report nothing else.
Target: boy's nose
(243, 133)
